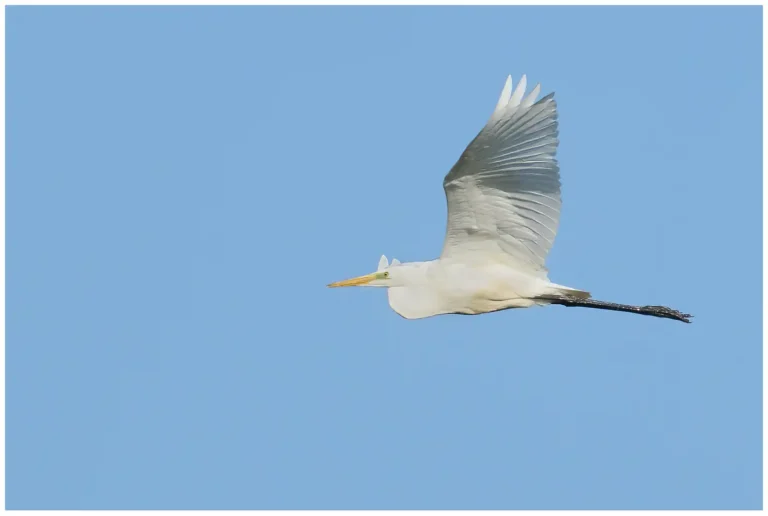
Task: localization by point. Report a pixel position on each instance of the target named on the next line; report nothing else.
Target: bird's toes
(669, 312)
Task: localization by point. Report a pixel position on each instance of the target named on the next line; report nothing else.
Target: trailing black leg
(655, 311)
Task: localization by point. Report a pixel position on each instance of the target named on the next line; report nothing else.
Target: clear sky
(182, 183)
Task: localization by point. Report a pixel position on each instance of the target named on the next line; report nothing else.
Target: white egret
(503, 211)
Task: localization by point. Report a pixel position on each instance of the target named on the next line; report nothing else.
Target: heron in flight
(503, 211)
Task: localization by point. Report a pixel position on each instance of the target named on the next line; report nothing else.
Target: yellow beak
(354, 282)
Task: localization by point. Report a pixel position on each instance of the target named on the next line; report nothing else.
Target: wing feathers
(506, 92)
(517, 96)
(531, 98)
(504, 192)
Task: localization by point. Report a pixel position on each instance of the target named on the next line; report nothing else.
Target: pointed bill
(354, 282)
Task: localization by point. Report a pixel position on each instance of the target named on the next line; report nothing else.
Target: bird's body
(503, 198)
(450, 286)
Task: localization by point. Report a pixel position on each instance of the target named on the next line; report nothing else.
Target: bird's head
(385, 276)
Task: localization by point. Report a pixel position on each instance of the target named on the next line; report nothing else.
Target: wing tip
(506, 93)
(517, 96)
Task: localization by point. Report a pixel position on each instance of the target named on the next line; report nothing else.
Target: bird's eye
(386, 275)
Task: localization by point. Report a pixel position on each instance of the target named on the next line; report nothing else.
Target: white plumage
(503, 199)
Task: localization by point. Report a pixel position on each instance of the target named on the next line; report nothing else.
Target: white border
(343, 2)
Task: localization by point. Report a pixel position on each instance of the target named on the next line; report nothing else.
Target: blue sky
(182, 183)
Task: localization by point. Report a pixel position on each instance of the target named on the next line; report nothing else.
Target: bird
(503, 197)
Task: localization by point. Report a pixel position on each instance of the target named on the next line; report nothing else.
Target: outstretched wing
(504, 192)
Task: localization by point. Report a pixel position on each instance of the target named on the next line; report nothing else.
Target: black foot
(664, 311)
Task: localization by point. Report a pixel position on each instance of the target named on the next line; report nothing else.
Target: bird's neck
(413, 273)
